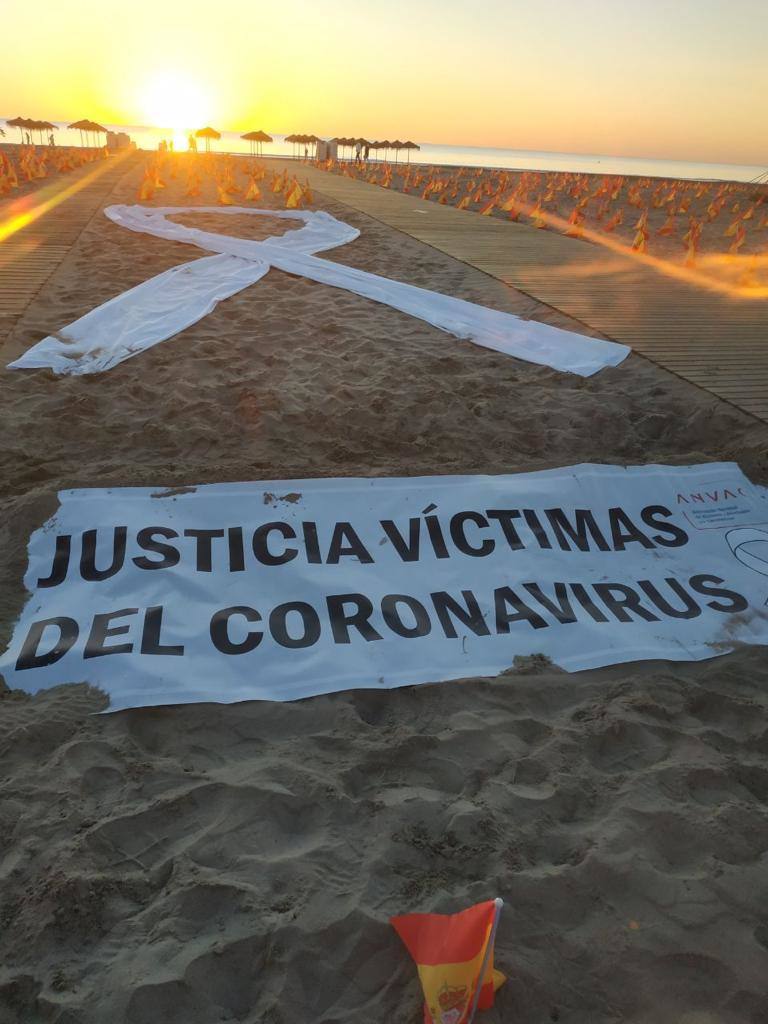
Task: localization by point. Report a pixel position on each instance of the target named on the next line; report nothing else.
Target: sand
(239, 863)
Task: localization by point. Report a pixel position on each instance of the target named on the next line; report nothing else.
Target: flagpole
(488, 953)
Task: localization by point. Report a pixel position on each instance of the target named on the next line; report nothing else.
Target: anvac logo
(715, 497)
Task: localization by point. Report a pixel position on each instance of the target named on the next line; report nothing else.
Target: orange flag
(294, 197)
(616, 219)
(254, 192)
(147, 189)
(536, 217)
(454, 957)
(738, 241)
(639, 243)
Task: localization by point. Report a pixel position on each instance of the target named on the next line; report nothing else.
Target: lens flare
(175, 102)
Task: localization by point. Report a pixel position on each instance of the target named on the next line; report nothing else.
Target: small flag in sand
(294, 197)
(254, 192)
(454, 957)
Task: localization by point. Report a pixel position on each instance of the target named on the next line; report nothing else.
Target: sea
(463, 156)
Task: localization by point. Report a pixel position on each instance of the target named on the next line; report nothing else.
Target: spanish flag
(254, 192)
(454, 957)
(294, 197)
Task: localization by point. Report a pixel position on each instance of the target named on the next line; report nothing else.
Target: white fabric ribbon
(164, 305)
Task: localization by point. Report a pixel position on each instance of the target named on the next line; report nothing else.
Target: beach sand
(239, 863)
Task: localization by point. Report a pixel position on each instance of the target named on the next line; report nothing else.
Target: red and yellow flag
(454, 957)
(254, 192)
(294, 197)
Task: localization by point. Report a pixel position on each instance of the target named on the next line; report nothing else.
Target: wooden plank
(31, 255)
(713, 340)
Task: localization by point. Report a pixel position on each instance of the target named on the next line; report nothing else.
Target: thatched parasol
(262, 138)
(207, 134)
(301, 140)
(251, 138)
(409, 146)
(49, 126)
(31, 126)
(340, 144)
(78, 126)
(37, 126)
(256, 139)
(20, 123)
(88, 127)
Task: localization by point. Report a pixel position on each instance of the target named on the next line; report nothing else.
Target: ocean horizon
(148, 138)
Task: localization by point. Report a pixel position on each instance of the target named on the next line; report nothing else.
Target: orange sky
(686, 80)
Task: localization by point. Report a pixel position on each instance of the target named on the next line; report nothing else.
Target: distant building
(118, 140)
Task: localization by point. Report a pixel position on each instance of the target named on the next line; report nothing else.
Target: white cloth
(166, 304)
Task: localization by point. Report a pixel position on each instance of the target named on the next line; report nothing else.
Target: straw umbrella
(27, 125)
(18, 122)
(302, 140)
(207, 134)
(262, 138)
(37, 126)
(96, 128)
(251, 138)
(256, 139)
(49, 126)
(397, 145)
(409, 146)
(81, 126)
(31, 125)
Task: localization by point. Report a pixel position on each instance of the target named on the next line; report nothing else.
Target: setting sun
(175, 101)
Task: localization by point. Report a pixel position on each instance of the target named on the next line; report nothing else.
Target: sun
(175, 101)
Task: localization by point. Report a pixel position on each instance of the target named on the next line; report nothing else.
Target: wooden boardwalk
(715, 341)
(30, 255)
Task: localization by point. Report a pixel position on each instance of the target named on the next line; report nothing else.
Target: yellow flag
(293, 199)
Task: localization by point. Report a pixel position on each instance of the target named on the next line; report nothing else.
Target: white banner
(285, 589)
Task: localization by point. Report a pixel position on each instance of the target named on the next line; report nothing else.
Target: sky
(678, 79)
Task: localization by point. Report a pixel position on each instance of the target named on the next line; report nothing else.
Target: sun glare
(174, 101)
